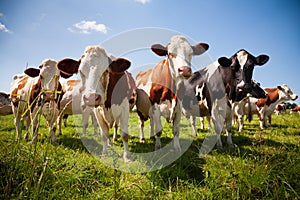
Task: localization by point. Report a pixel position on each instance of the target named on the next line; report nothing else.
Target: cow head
(179, 53)
(257, 91)
(48, 77)
(285, 93)
(4, 99)
(93, 68)
(243, 64)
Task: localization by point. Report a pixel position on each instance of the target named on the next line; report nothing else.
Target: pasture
(262, 165)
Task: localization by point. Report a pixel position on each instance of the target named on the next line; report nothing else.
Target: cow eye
(172, 55)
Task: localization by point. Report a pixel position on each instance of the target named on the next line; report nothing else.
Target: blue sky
(31, 31)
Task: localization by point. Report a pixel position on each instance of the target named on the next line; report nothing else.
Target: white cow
(106, 88)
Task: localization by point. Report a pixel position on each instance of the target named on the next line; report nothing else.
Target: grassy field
(262, 165)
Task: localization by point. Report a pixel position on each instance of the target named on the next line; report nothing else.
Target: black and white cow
(210, 91)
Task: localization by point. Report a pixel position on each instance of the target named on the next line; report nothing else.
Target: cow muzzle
(92, 100)
(185, 71)
(48, 96)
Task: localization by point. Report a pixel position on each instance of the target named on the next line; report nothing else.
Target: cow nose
(92, 99)
(185, 71)
(48, 96)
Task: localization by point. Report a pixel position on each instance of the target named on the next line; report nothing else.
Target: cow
(69, 106)
(264, 107)
(239, 104)
(280, 109)
(36, 92)
(106, 87)
(212, 90)
(161, 85)
(296, 109)
(5, 104)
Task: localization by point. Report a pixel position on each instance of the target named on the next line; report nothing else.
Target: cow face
(243, 64)
(257, 91)
(179, 53)
(285, 93)
(93, 68)
(48, 76)
(4, 99)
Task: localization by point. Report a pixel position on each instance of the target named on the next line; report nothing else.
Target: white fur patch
(242, 57)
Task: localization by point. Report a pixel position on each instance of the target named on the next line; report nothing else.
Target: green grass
(262, 165)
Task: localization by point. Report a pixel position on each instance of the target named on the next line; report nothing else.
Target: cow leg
(240, 119)
(50, 112)
(17, 121)
(103, 130)
(35, 122)
(202, 123)
(59, 121)
(208, 122)
(218, 117)
(65, 118)
(28, 122)
(95, 124)
(193, 124)
(124, 116)
(85, 119)
(115, 136)
(142, 135)
(157, 126)
(228, 121)
(176, 130)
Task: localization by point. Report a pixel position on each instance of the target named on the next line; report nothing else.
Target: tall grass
(262, 165)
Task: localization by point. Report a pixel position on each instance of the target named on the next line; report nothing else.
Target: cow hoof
(230, 145)
(25, 137)
(127, 157)
(157, 147)
(152, 138)
(142, 140)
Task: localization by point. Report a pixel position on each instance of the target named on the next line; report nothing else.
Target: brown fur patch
(163, 86)
(273, 96)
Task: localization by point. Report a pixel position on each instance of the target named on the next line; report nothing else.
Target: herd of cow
(107, 91)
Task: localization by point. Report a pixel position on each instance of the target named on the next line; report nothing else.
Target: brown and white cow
(5, 105)
(162, 84)
(296, 109)
(280, 109)
(70, 105)
(239, 104)
(106, 87)
(36, 92)
(264, 107)
(212, 90)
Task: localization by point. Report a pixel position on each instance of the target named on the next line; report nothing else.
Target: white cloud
(143, 1)
(87, 27)
(3, 28)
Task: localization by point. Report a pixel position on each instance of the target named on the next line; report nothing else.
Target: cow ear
(32, 72)
(119, 65)
(159, 49)
(225, 62)
(200, 48)
(261, 59)
(68, 67)
(279, 87)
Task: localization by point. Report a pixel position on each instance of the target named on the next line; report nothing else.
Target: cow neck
(35, 91)
(163, 85)
(114, 77)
